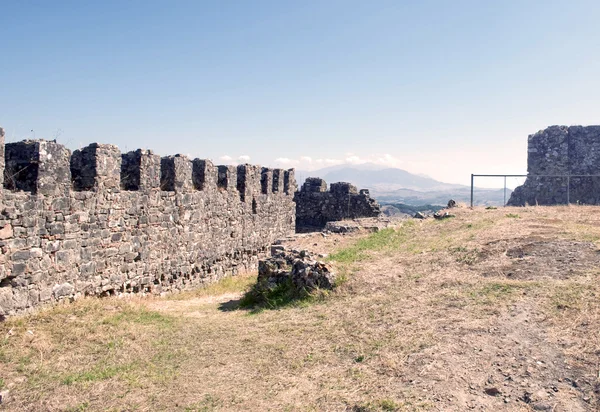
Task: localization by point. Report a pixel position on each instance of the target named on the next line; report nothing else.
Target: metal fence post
(568, 190)
(504, 205)
(472, 178)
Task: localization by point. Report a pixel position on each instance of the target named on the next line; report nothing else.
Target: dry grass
(428, 319)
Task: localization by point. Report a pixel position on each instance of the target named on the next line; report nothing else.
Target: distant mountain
(390, 185)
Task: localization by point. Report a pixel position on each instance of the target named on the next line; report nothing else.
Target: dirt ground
(489, 310)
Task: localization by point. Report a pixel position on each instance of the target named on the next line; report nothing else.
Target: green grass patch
(492, 293)
(284, 294)
(140, 316)
(79, 408)
(386, 239)
(513, 215)
(571, 296)
(98, 373)
(465, 255)
(228, 284)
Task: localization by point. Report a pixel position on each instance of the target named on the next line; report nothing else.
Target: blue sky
(445, 88)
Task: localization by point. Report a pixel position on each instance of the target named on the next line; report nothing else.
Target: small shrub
(284, 294)
(513, 215)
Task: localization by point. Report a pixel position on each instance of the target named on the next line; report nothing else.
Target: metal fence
(568, 177)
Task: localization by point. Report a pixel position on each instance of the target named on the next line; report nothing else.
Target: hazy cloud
(284, 161)
(244, 159)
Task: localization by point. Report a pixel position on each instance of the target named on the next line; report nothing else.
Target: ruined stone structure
(315, 206)
(561, 150)
(98, 222)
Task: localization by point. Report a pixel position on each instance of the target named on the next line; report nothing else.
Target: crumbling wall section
(315, 206)
(132, 223)
(561, 151)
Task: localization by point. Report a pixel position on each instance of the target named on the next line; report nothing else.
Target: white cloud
(244, 159)
(306, 159)
(353, 160)
(284, 161)
(386, 159)
(226, 158)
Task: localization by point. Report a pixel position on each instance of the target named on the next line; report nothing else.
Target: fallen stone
(442, 216)
(451, 204)
(298, 269)
(493, 391)
(419, 215)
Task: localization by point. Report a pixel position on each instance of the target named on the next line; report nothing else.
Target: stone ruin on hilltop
(565, 153)
(98, 222)
(315, 205)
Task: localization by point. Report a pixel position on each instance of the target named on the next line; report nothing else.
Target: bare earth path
(490, 310)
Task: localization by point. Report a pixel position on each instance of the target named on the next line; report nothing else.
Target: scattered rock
(493, 391)
(419, 215)
(297, 267)
(451, 204)
(441, 216)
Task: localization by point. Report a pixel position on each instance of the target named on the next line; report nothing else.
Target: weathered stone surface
(37, 166)
(140, 170)
(120, 234)
(176, 173)
(96, 167)
(315, 206)
(296, 267)
(561, 151)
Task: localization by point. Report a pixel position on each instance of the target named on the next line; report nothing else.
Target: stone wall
(315, 206)
(561, 150)
(101, 223)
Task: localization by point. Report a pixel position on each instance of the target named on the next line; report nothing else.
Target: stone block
(140, 170)
(176, 174)
(96, 167)
(37, 166)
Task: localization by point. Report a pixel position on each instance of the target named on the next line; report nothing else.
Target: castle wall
(131, 223)
(561, 150)
(315, 206)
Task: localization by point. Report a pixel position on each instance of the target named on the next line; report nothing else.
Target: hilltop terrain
(490, 310)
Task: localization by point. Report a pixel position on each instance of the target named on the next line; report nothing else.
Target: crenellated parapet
(49, 168)
(99, 222)
(315, 205)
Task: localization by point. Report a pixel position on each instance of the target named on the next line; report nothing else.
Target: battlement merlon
(227, 179)
(314, 184)
(289, 182)
(248, 181)
(96, 167)
(140, 170)
(266, 181)
(176, 174)
(37, 166)
(343, 188)
(204, 175)
(278, 180)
